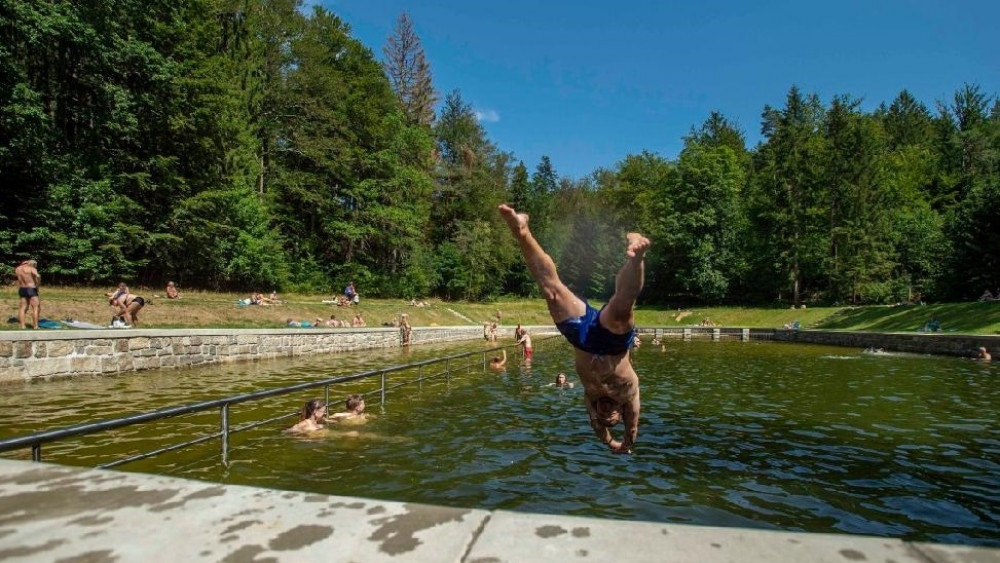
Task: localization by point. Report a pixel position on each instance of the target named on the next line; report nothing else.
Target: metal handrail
(37, 439)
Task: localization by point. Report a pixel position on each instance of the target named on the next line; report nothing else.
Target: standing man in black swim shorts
(601, 339)
(28, 281)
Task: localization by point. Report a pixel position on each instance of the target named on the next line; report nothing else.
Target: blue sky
(588, 82)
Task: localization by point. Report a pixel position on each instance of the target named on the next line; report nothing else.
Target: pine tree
(409, 73)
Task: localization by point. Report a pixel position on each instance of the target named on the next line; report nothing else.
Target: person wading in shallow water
(601, 339)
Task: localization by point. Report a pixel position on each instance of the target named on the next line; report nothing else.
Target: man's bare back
(27, 274)
(28, 281)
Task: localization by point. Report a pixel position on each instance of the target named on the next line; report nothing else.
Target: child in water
(355, 410)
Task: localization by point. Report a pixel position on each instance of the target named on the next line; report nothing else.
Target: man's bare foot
(637, 245)
(516, 221)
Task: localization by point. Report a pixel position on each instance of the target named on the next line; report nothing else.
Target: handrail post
(36, 452)
(225, 433)
(447, 369)
(326, 396)
(383, 388)
(420, 376)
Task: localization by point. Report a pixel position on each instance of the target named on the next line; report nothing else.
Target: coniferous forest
(244, 144)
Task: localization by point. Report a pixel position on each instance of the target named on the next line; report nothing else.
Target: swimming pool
(763, 435)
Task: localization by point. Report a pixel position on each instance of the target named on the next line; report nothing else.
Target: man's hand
(619, 448)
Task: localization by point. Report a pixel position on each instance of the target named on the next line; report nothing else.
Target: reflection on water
(739, 434)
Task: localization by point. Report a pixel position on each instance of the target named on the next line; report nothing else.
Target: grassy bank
(219, 310)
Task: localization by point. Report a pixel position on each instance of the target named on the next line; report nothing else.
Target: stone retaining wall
(965, 345)
(27, 355)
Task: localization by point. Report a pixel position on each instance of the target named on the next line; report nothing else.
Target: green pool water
(763, 435)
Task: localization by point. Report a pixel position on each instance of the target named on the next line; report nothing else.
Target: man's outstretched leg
(617, 314)
(561, 301)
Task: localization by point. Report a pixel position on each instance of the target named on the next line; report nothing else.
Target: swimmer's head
(561, 379)
(314, 408)
(356, 404)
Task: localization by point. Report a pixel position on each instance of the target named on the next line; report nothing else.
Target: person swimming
(354, 410)
(562, 382)
(313, 415)
(498, 363)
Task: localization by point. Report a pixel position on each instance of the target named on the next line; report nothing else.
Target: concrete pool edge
(26, 355)
(54, 512)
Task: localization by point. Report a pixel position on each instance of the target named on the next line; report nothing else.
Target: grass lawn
(219, 310)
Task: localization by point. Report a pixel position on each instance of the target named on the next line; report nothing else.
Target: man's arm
(504, 361)
(36, 276)
(630, 414)
(603, 432)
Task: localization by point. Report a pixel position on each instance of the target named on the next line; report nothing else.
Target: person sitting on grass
(172, 292)
(313, 415)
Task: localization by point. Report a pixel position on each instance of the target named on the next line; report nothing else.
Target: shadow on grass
(980, 318)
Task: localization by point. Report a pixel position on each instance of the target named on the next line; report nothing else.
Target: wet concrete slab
(50, 513)
(59, 513)
(561, 538)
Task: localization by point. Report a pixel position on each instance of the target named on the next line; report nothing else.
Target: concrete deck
(58, 513)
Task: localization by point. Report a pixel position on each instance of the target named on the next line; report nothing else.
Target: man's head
(607, 412)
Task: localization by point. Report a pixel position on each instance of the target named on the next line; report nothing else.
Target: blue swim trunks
(587, 334)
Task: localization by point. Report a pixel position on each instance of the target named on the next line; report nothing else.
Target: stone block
(152, 362)
(85, 364)
(22, 349)
(247, 339)
(121, 345)
(60, 348)
(111, 364)
(196, 341)
(6, 349)
(139, 343)
(42, 367)
(99, 350)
